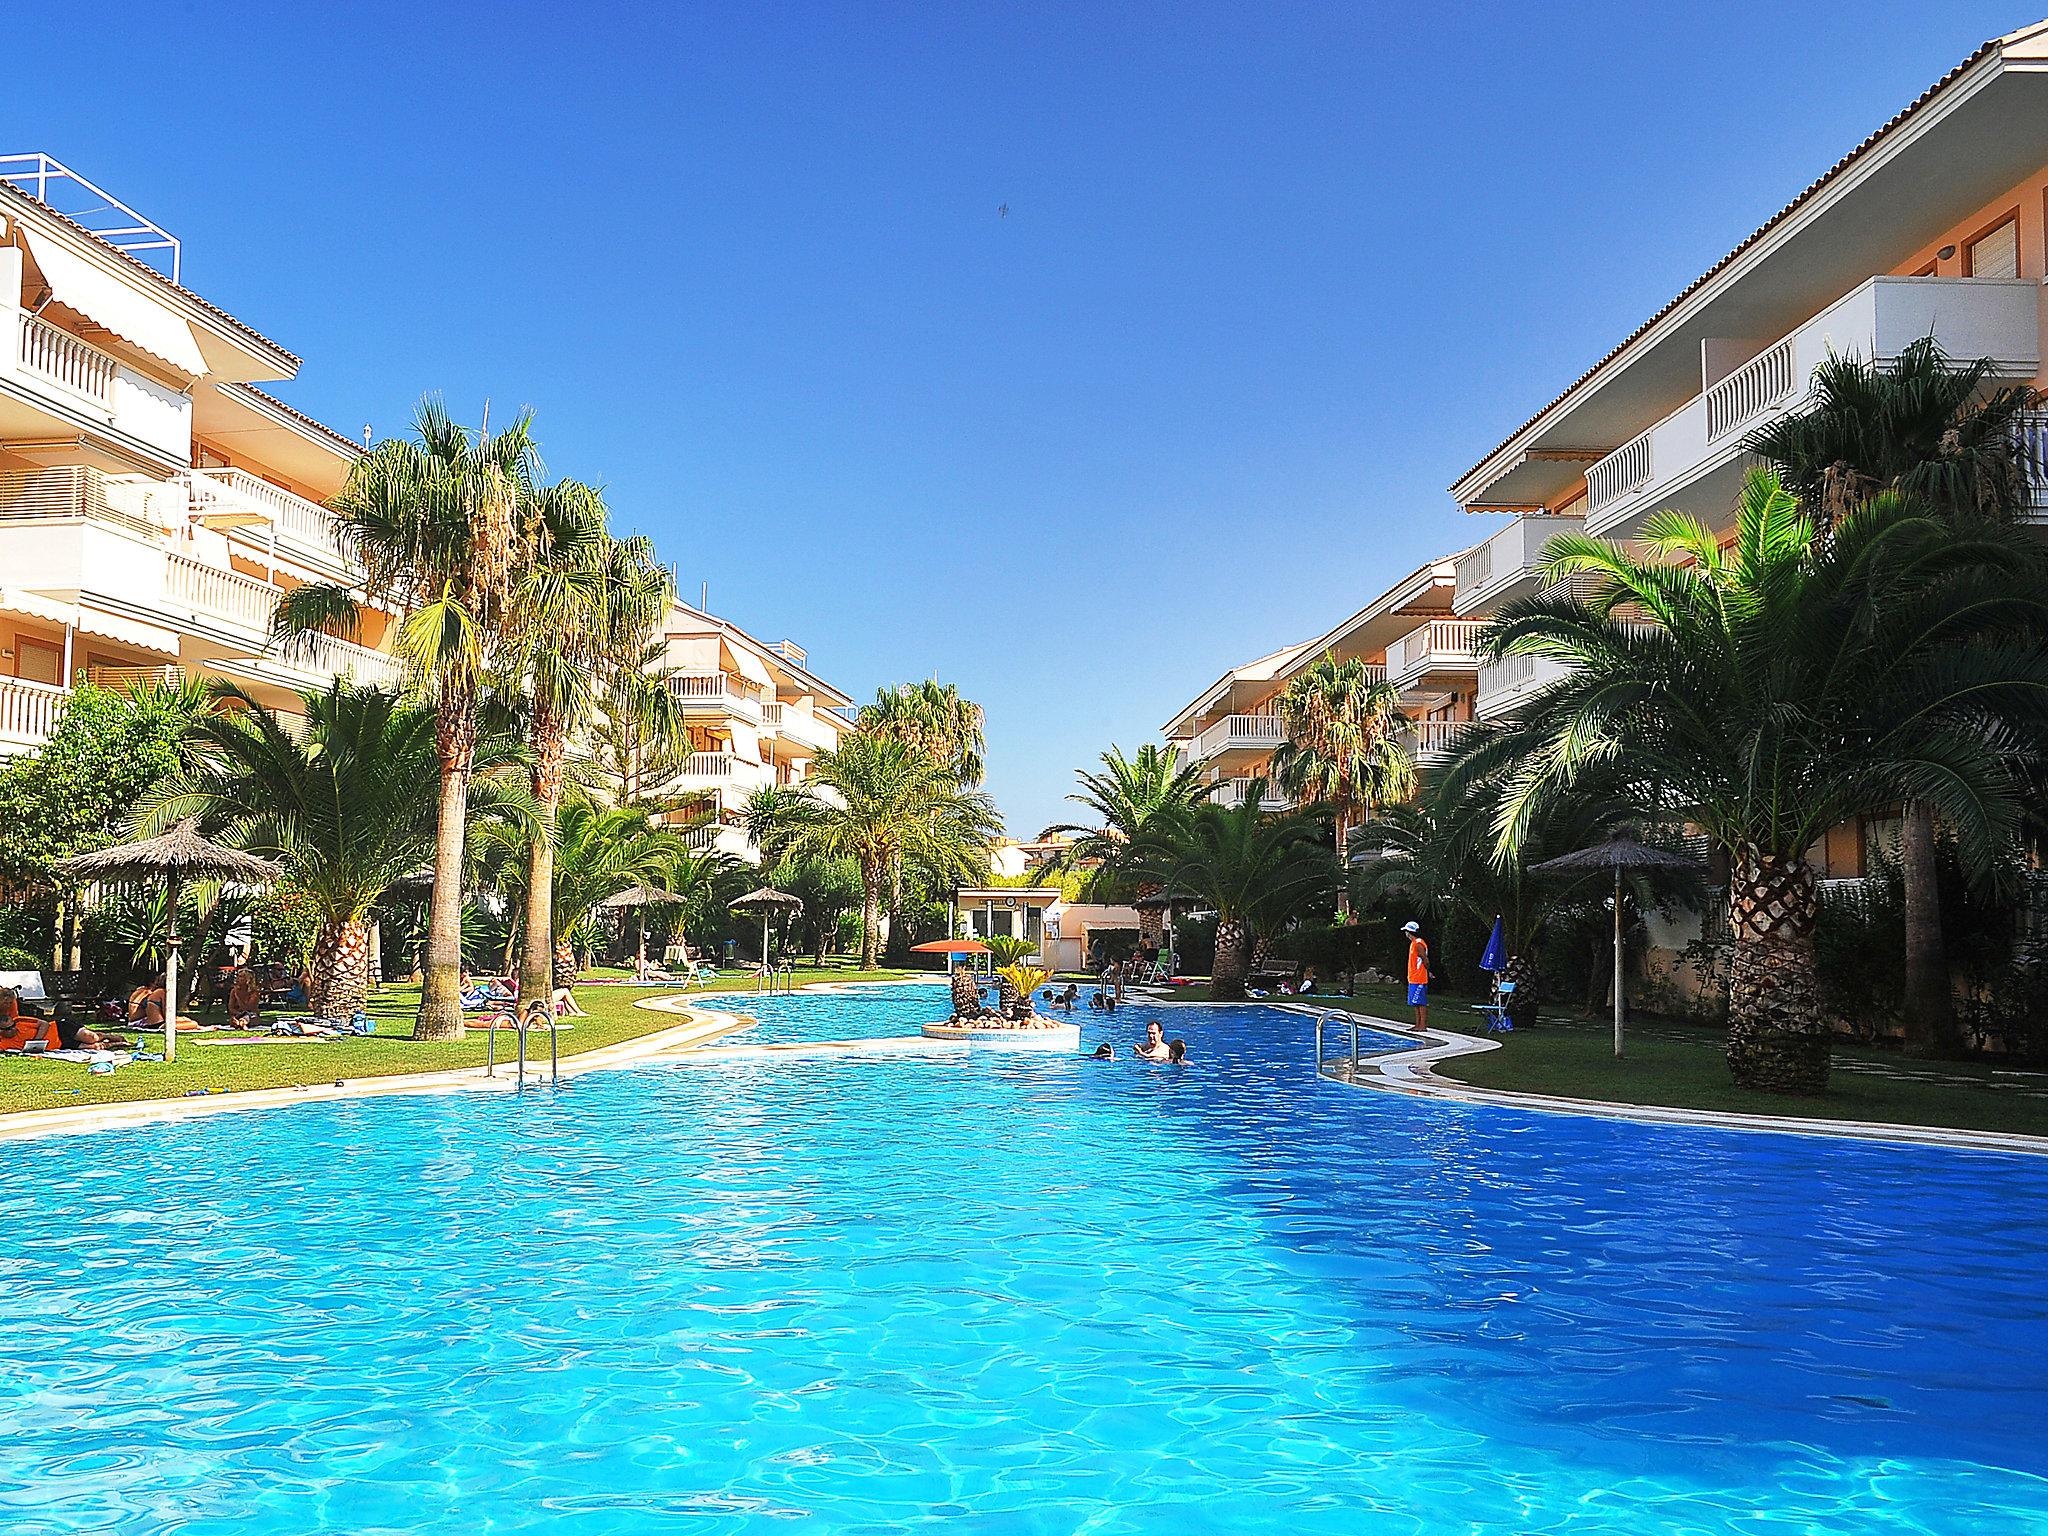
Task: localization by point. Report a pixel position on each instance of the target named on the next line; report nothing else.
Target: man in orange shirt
(1418, 974)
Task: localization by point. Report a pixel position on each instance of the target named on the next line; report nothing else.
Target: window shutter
(1998, 253)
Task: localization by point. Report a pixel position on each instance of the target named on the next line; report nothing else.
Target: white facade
(153, 502)
(756, 718)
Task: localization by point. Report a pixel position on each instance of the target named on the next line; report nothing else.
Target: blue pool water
(1012, 1293)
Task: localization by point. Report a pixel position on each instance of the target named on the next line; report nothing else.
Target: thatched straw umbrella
(767, 901)
(640, 898)
(176, 856)
(1624, 853)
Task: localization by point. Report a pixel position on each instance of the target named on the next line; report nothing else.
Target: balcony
(28, 714)
(1429, 741)
(303, 528)
(1231, 793)
(715, 693)
(799, 727)
(1240, 733)
(1693, 459)
(2033, 436)
(1505, 565)
(1507, 684)
(68, 380)
(1440, 650)
(705, 772)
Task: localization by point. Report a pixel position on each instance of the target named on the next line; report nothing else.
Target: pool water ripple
(870, 1292)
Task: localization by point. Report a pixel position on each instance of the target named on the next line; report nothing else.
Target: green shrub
(18, 960)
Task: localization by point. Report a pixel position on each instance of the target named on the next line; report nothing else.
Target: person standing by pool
(1418, 973)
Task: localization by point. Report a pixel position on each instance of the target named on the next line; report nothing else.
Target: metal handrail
(1323, 1019)
(522, 1023)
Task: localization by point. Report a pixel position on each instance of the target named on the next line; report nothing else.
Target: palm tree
(1923, 425)
(1133, 799)
(599, 851)
(1770, 691)
(772, 815)
(890, 802)
(583, 604)
(933, 717)
(1340, 749)
(347, 804)
(437, 522)
(1257, 871)
(1935, 430)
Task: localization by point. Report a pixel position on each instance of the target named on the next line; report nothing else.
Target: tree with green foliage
(78, 793)
(1776, 688)
(347, 803)
(934, 719)
(1341, 747)
(1134, 800)
(1943, 434)
(1257, 871)
(582, 606)
(892, 803)
(439, 523)
(828, 888)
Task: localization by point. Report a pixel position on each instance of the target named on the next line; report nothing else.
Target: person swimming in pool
(1154, 1047)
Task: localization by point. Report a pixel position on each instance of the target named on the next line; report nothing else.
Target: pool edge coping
(1413, 1073)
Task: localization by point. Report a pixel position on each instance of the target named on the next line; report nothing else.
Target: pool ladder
(527, 1021)
(772, 978)
(1331, 1018)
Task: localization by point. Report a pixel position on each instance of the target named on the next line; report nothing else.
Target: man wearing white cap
(1418, 974)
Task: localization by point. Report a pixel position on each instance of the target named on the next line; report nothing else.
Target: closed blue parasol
(1496, 956)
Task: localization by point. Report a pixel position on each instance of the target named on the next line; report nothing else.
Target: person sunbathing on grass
(74, 1034)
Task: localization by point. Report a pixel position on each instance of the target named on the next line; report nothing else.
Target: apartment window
(36, 662)
(1998, 253)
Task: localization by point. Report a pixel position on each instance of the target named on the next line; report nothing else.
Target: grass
(1682, 1066)
(28, 1084)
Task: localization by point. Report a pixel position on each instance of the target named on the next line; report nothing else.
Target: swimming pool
(1016, 1293)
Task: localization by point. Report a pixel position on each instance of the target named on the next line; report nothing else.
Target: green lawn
(1681, 1066)
(26, 1083)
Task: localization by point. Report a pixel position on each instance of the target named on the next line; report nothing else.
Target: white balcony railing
(133, 503)
(1440, 646)
(28, 713)
(207, 589)
(328, 656)
(57, 357)
(1505, 565)
(1762, 382)
(2033, 445)
(718, 692)
(1506, 684)
(1688, 459)
(1241, 732)
(1429, 741)
(1232, 793)
(303, 523)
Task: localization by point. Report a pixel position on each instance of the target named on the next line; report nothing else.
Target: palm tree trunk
(341, 975)
(1777, 1035)
(1226, 978)
(537, 955)
(1151, 920)
(1929, 1009)
(870, 913)
(440, 1015)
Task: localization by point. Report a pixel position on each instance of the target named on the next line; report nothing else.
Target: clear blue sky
(1271, 277)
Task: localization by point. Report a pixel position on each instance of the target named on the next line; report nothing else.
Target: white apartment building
(1937, 224)
(153, 499)
(1409, 633)
(756, 717)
